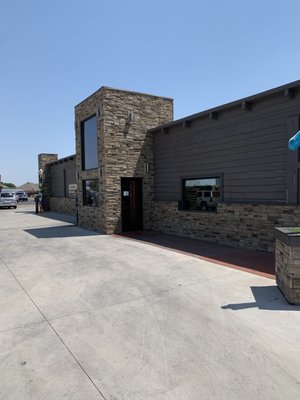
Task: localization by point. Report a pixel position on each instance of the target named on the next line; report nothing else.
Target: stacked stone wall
(249, 226)
(63, 205)
(125, 149)
(287, 266)
(90, 218)
(44, 160)
(129, 147)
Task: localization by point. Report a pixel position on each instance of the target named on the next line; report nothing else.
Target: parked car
(22, 196)
(207, 199)
(8, 200)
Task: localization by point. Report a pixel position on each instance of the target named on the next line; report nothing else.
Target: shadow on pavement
(266, 298)
(60, 232)
(257, 262)
(52, 215)
(24, 212)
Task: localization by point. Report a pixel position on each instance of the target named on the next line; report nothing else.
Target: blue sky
(54, 53)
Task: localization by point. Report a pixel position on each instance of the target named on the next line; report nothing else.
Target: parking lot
(86, 316)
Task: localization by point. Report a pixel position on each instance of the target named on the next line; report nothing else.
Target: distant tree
(10, 185)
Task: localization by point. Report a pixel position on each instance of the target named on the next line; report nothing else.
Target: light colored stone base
(63, 205)
(240, 225)
(91, 218)
(287, 267)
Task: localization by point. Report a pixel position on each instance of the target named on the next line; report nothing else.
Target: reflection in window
(201, 194)
(89, 144)
(90, 190)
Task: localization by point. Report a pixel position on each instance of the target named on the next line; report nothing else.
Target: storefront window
(90, 192)
(202, 194)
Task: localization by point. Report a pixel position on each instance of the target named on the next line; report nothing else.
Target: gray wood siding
(247, 148)
(59, 184)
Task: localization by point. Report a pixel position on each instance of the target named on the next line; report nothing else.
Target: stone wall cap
(289, 235)
(103, 88)
(47, 154)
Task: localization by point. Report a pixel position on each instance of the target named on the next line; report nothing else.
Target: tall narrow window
(89, 143)
(65, 184)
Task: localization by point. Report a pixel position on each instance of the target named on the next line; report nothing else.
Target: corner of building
(124, 151)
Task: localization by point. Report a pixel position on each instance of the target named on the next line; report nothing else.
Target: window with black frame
(201, 194)
(89, 144)
(90, 189)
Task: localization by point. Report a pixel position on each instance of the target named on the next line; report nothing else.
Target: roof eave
(227, 106)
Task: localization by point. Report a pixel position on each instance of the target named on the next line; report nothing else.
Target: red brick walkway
(256, 262)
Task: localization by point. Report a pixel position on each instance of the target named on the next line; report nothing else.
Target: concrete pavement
(86, 316)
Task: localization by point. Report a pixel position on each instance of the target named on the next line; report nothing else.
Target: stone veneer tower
(125, 149)
(44, 160)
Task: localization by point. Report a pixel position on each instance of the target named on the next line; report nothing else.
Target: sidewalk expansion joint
(53, 329)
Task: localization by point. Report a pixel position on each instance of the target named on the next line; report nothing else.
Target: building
(114, 158)
(138, 169)
(30, 188)
(57, 179)
(241, 147)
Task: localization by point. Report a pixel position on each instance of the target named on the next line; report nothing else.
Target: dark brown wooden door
(132, 204)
